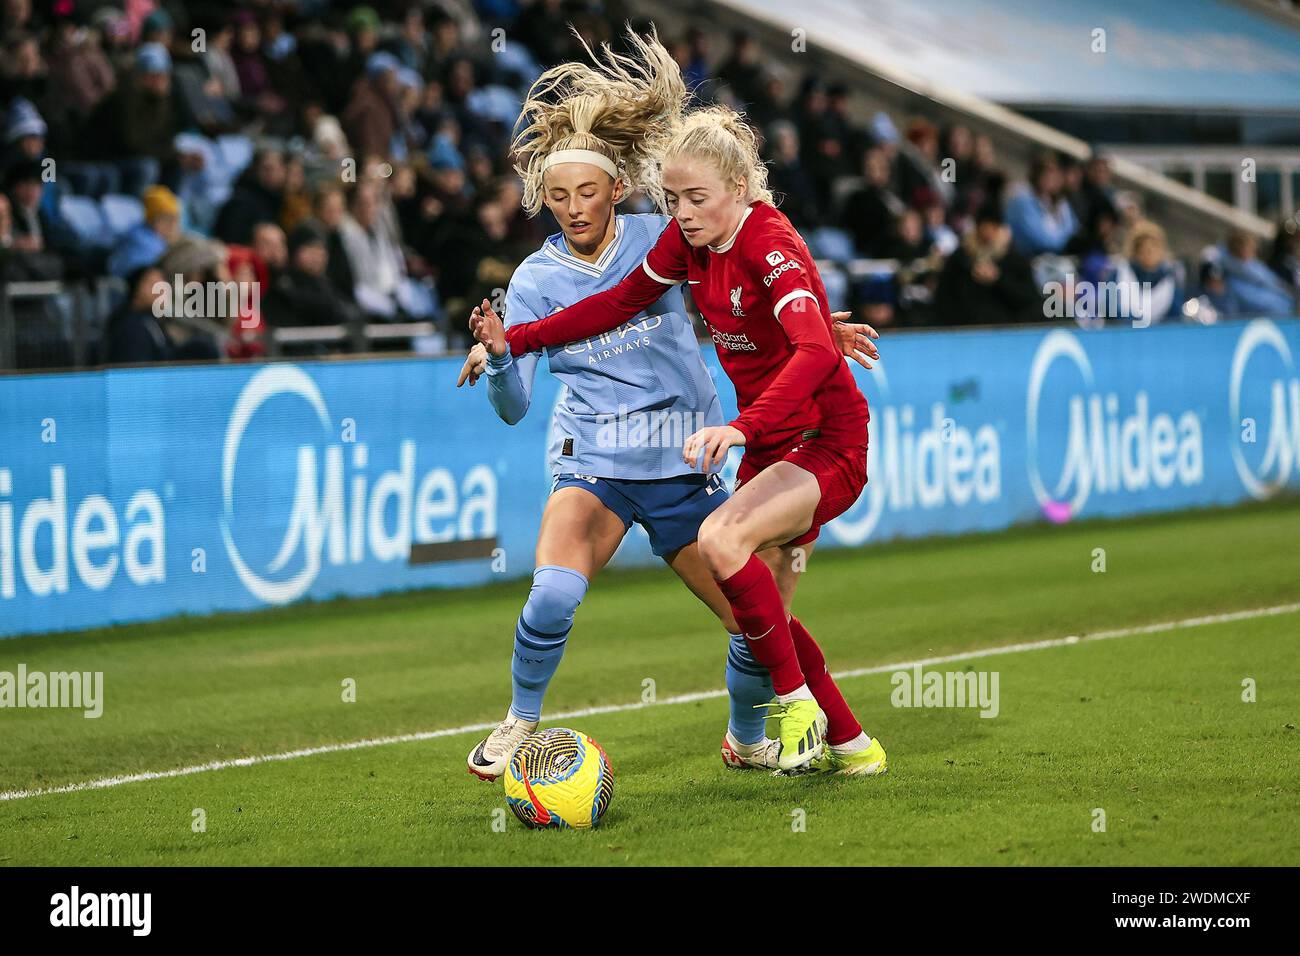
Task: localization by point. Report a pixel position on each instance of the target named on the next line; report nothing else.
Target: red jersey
(766, 309)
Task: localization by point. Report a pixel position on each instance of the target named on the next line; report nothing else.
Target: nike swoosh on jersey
(759, 637)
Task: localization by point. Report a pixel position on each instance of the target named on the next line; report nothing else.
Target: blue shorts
(670, 509)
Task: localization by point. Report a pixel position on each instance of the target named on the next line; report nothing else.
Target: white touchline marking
(106, 782)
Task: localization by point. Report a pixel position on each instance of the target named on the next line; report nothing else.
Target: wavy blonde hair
(721, 137)
(622, 107)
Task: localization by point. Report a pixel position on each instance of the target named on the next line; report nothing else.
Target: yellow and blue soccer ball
(559, 778)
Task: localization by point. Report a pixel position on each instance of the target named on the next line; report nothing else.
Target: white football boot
(764, 755)
(488, 760)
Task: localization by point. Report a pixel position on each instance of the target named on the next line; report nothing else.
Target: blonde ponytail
(622, 108)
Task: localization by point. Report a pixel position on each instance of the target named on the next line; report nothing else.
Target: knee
(721, 547)
(554, 598)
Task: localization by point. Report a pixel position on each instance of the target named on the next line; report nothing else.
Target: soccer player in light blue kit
(632, 396)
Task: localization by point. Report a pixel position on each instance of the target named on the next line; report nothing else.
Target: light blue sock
(540, 635)
(748, 683)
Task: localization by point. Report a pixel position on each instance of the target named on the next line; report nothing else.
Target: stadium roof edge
(1167, 190)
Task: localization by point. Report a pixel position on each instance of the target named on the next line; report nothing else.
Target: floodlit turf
(1151, 730)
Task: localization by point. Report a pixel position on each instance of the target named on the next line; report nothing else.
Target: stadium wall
(133, 494)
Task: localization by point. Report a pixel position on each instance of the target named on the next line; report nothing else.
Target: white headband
(580, 156)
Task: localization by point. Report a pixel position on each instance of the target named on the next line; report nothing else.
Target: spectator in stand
(247, 329)
(36, 230)
(987, 174)
(545, 24)
(1072, 186)
(1146, 265)
(331, 208)
(1096, 189)
(370, 119)
(80, 79)
(412, 46)
(1252, 287)
(1095, 244)
(218, 59)
(24, 135)
(134, 334)
(870, 212)
(271, 247)
(158, 27)
(840, 123)
(787, 176)
(958, 145)
(373, 253)
(115, 37)
(137, 334)
(363, 26)
(258, 197)
(771, 106)
(135, 127)
(147, 242)
(742, 71)
(22, 68)
(1285, 258)
(907, 241)
(1040, 218)
(941, 236)
(823, 154)
(22, 255)
(920, 176)
(297, 197)
(304, 295)
(986, 281)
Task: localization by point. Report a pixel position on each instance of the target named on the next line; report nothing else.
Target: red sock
(756, 603)
(841, 725)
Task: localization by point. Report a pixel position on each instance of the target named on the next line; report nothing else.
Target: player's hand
(488, 328)
(475, 365)
(855, 339)
(709, 446)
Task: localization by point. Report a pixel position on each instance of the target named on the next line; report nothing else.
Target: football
(559, 778)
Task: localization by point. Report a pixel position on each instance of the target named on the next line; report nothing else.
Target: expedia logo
(783, 267)
(1275, 423)
(339, 514)
(1106, 448)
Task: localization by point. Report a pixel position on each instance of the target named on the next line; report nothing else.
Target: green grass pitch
(1150, 729)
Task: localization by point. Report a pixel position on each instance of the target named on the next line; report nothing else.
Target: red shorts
(841, 474)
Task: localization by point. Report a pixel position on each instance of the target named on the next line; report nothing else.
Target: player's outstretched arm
(855, 339)
(475, 366)
(602, 312)
(509, 381)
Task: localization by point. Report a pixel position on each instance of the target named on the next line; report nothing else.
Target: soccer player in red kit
(802, 421)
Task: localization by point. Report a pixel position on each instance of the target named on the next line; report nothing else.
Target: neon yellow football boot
(869, 762)
(801, 728)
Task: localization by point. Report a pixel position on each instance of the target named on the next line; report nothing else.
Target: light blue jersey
(632, 396)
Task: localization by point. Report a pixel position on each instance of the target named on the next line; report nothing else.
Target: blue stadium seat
(236, 153)
(828, 242)
(121, 213)
(83, 216)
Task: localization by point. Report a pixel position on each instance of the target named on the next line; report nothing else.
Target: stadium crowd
(353, 160)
